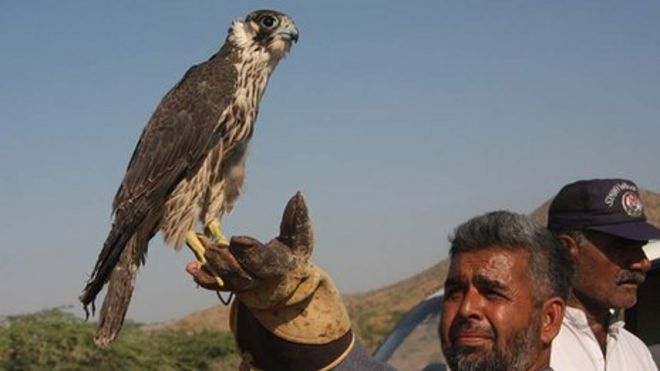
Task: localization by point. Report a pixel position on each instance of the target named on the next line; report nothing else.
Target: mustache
(466, 325)
(635, 277)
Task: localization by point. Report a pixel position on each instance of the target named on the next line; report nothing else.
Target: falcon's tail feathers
(108, 258)
(120, 290)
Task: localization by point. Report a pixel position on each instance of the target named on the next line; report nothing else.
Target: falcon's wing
(178, 135)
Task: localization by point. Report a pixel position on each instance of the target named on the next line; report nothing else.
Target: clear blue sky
(398, 120)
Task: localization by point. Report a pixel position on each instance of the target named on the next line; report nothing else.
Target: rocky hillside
(375, 312)
(212, 318)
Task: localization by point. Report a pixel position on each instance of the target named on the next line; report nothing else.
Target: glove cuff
(313, 312)
(311, 328)
(262, 350)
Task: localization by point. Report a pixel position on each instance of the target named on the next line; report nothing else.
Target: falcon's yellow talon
(198, 249)
(196, 246)
(215, 229)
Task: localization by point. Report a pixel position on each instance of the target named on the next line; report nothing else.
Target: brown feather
(119, 293)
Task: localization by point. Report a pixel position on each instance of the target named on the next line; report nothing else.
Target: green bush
(56, 340)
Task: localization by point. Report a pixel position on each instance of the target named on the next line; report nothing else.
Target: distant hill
(212, 318)
(375, 312)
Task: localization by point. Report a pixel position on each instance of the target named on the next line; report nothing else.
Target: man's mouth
(472, 339)
(469, 333)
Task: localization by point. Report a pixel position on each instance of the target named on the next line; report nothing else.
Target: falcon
(189, 164)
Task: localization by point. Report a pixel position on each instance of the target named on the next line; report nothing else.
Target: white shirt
(576, 347)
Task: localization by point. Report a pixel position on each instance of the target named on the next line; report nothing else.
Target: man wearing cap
(602, 224)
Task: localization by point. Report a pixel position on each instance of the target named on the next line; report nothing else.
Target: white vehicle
(413, 344)
(642, 319)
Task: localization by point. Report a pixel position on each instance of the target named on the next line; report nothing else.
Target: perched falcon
(188, 165)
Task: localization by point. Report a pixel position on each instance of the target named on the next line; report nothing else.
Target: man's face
(488, 314)
(609, 270)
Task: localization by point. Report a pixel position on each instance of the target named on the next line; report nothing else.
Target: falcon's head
(265, 30)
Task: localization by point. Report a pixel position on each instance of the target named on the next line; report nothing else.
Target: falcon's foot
(198, 249)
(215, 230)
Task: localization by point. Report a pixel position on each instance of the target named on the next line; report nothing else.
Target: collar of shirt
(578, 319)
(576, 349)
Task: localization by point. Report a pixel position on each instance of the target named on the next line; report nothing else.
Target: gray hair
(550, 265)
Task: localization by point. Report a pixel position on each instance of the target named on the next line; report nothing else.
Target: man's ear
(552, 314)
(569, 243)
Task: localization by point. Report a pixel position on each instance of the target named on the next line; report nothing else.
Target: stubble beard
(517, 355)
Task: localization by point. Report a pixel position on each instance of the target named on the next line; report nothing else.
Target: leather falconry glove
(289, 314)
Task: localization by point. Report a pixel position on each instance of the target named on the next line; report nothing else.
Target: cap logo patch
(632, 205)
(616, 190)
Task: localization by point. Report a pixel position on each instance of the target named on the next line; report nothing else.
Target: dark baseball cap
(612, 206)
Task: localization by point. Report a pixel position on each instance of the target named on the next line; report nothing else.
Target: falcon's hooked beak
(289, 31)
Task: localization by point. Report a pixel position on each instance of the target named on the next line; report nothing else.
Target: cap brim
(638, 231)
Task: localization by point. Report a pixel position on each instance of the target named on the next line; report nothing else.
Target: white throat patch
(239, 35)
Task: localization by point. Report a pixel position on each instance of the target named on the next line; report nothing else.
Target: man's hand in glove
(289, 315)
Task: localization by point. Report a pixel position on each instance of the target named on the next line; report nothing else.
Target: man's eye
(452, 293)
(268, 21)
(495, 295)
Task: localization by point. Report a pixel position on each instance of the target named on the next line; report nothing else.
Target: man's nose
(472, 304)
(639, 261)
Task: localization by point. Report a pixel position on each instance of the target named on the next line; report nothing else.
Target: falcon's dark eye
(268, 21)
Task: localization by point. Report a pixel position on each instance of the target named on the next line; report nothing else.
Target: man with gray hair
(505, 294)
